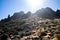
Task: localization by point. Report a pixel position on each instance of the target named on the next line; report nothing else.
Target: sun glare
(34, 3)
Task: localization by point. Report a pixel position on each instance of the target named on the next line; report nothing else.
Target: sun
(34, 3)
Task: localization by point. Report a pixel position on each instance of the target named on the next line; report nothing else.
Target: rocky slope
(43, 23)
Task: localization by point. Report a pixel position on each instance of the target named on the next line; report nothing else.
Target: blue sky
(12, 6)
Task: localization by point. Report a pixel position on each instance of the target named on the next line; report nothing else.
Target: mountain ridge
(42, 13)
(45, 13)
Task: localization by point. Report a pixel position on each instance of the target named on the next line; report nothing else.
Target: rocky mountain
(19, 18)
(21, 15)
(41, 13)
(25, 23)
(45, 13)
